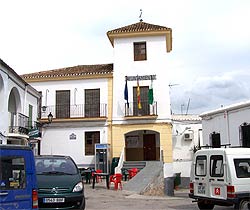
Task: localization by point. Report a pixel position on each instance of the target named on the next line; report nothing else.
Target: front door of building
(149, 147)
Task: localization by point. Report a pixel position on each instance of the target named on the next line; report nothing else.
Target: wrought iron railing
(132, 109)
(75, 111)
(19, 123)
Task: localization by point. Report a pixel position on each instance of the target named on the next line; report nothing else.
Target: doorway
(149, 147)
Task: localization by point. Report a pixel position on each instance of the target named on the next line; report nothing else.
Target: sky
(209, 65)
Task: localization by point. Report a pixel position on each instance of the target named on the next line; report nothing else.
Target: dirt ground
(103, 198)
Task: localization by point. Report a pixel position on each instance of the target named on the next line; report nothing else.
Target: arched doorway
(142, 145)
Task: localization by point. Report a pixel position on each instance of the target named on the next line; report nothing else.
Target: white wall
(56, 141)
(225, 123)
(76, 88)
(183, 149)
(156, 64)
(4, 103)
(8, 82)
(55, 137)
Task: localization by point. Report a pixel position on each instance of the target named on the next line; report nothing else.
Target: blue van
(18, 184)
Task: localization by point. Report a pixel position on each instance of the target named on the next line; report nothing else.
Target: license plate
(201, 189)
(53, 200)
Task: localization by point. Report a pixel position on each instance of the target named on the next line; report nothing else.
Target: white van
(221, 176)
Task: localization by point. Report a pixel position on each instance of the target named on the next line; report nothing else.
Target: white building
(187, 137)
(79, 99)
(18, 107)
(141, 53)
(88, 101)
(229, 125)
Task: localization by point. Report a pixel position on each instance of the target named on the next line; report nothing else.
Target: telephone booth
(102, 157)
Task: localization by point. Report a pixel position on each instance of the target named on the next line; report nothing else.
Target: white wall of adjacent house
(183, 145)
(4, 105)
(226, 123)
(156, 64)
(57, 141)
(76, 88)
(23, 97)
(56, 137)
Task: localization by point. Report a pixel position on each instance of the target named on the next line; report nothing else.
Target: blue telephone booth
(102, 157)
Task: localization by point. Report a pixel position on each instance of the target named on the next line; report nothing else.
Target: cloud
(210, 92)
(211, 42)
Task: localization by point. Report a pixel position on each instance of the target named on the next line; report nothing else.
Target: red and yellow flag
(138, 95)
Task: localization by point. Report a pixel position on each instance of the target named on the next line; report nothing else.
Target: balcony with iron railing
(132, 109)
(20, 124)
(75, 111)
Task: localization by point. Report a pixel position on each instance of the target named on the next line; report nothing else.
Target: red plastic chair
(117, 180)
(132, 172)
(98, 178)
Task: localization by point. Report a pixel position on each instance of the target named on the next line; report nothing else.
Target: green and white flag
(151, 94)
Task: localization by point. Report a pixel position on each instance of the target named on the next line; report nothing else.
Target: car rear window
(200, 165)
(242, 168)
(216, 166)
(12, 173)
(55, 165)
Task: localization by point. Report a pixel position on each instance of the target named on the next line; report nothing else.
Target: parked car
(18, 184)
(60, 184)
(221, 176)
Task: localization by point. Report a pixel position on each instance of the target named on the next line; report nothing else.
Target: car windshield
(57, 166)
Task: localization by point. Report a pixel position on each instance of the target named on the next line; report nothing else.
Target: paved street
(102, 198)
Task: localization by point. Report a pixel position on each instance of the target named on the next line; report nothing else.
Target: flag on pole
(126, 92)
(138, 95)
(151, 94)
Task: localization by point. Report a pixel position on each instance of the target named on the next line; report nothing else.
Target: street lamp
(50, 117)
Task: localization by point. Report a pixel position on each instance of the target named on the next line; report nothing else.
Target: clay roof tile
(100, 69)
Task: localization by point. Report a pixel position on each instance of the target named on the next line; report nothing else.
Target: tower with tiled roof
(141, 102)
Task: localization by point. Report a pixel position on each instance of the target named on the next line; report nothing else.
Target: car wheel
(205, 206)
(244, 204)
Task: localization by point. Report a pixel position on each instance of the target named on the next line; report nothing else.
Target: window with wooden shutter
(92, 103)
(63, 104)
(91, 138)
(140, 51)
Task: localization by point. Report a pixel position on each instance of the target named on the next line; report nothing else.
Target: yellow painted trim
(164, 130)
(110, 108)
(77, 119)
(63, 78)
(140, 117)
(167, 33)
